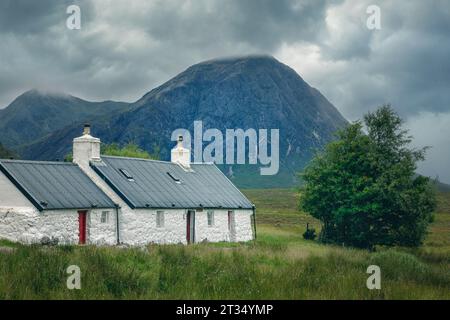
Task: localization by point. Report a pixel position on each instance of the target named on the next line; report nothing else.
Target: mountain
(255, 92)
(35, 114)
(250, 92)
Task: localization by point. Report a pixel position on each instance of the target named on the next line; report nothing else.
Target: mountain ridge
(241, 92)
(35, 114)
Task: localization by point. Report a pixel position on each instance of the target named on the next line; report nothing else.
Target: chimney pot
(87, 129)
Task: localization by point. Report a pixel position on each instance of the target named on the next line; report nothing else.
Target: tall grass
(279, 265)
(264, 270)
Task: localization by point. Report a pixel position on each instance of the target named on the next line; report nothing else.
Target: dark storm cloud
(125, 48)
(405, 63)
(21, 16)
(263, 24)
(30, 16)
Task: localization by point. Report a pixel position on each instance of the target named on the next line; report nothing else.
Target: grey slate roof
(55, 185)
(152, 187)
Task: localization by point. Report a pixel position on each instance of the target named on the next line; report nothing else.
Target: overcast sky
(127, 47)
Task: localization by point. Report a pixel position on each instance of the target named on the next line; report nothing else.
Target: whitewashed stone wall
(219, 231)
(98, 232)
(59, 224)
(21, 221)
(215, 233)
(243, 225)
(16, 224)
(28, 225)
(139, 227)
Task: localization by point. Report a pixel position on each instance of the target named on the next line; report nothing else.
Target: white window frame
(104, 217)
(210, 218)
(160, 217)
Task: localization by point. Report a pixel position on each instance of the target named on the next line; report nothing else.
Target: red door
(188, 227)
(82, 226)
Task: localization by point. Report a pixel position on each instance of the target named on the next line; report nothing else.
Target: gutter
(254, 221)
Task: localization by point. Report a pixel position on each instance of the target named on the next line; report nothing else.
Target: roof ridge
(37, 162)
(152, 160)
(131, 158)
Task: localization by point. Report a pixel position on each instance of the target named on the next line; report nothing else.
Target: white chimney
(181, 155)
(86, 148)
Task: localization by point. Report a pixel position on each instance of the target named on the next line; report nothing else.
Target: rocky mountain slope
(255, 92)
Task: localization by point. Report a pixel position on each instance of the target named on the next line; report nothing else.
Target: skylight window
(177, 180)
(126, 174)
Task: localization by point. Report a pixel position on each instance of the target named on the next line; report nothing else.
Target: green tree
(129, 150)
(364, 189)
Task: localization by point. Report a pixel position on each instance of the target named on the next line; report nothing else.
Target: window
(177, 180)
(210, 215)
(105, 217)
(160, 219)
(126, 174)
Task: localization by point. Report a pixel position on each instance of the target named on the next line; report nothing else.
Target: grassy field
(279, 265)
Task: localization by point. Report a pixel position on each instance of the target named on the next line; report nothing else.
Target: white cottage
(111, 200)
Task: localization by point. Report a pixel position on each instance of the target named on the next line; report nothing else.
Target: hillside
(36, 114)
(255, 92)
